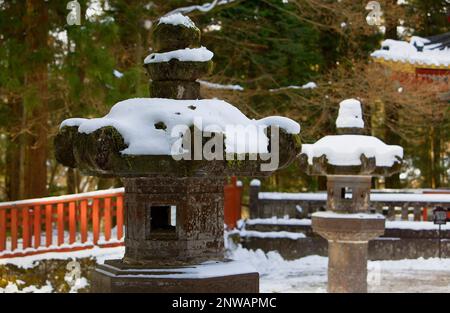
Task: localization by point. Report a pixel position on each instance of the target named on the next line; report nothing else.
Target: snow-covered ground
(308, 274)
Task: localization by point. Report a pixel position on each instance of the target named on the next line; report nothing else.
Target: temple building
(426, 59)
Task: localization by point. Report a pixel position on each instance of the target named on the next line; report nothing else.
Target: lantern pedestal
(213, 277)
(348, 236)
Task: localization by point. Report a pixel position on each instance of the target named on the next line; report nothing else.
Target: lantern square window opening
(161, 219)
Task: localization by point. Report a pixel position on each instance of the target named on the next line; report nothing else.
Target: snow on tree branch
(203, 8)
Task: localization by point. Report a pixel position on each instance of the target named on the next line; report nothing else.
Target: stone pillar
(347, 267)
(254, 189)
(348, 236)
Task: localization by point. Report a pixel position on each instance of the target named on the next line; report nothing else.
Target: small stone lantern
(349, 160)
(174, 194)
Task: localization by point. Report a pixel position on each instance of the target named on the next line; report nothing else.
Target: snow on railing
(407, 204)
(374, 197)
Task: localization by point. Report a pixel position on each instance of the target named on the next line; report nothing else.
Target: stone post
(175, 79)
(349, 258)
(255, 186)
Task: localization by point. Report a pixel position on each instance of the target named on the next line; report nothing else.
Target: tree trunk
(392, 138)
(36, 113)
(12, 177)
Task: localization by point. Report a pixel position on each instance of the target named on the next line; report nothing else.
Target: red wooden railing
(76, 222)
(65, 223)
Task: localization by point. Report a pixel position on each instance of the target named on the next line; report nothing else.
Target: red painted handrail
(75, 222)
(63, 223)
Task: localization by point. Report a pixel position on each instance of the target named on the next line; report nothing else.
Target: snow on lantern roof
(346, 150)
(151, 126)
(366, 154)
(432, 51)
(177, 19)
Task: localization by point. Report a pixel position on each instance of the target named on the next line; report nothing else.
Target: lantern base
(348, 236)
(210, 277)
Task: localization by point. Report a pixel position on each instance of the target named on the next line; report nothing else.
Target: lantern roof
(350, 152)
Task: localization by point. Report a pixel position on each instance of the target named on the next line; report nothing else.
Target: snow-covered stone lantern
(174, 153)
(349, 160)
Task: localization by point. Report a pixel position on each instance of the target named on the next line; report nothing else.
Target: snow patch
(270, 234)
(177, 19)
(310, 85)
(380, 197)
(117, 74)
(330, 214)
(101, 254)
(220, 86)
(278, 221)
(184, 55)
(415, 225)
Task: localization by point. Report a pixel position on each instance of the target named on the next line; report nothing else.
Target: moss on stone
(168, 37)
(179, 90)
(64, 141)
(177, 70)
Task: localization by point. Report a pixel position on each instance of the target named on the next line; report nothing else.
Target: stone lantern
(349, 160)
(174, 192)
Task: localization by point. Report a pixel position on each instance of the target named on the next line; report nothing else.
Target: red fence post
(37, 226)
(2, 229)
(60, 222)
(25, 228)
(72, 222)
(425, 214)
(231, 203)
(107, 219)
(95, 220)
(48, 225)
(14, 215)
(119, 216)
(83, 220)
